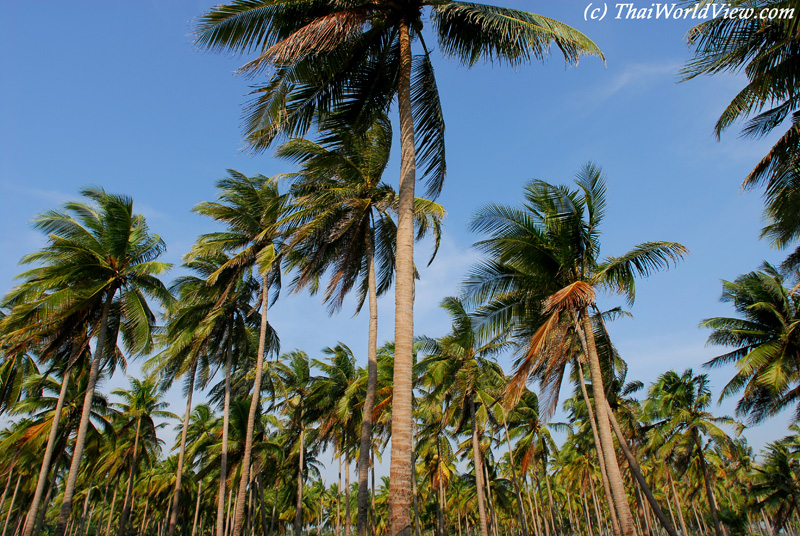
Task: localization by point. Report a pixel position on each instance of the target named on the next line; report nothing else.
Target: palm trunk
(85, 508)
(298, 514)
(80, 438)
(11, 506)
(637, 472)
(41, 483)
(598, 447)
(102, 511)
(52, 488)
(197, 507)
(400, 470)
(339, 498)
(261, 502)
(588, 516)
(556, 526)
(523, 524)
(621, 505)
(113, 506)
(712, 503)
(226, 419)
(126, 504)
(369, 400)
(255, 402)
(173, 516)
(274, 508)
(682, 521)
(347, 495)
(143, 525)
(476, 460)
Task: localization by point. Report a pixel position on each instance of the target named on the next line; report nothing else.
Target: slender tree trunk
(51, 489)
(11, 506)
(339, 498)
(556, 526)
(523, 524)
(41, 482)
(197, 507)
(588, 516)
(476, 460)
(604, 431)
(540, 511)
(347, 517)
(298, 515)
(144, 516)
(274, 507)
(598, 447)
(80, 438)
(113, 506)
(644, 520)
(374, 521)
(598, 515)
(712, 502)
(126, 504)
(173, 516)
(369, 400)
(226, 418)
(85, 507)
(261, 501)
(400, 470)
(534, 516)
(488, 488)
(682, 521)
(637, 472)
(102, 511)
(255, 402)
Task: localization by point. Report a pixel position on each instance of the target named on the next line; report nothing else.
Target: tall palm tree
(253, 211)
(680, 401)
(99, 255)
(354, 58)
(765, 342)
(541, 278)
(345, 227)
(766, 51)
(140, 405)
(208, 325)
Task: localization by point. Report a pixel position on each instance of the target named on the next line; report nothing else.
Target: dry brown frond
(573, 297)
(319, 36)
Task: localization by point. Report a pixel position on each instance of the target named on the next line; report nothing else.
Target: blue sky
(115, 94)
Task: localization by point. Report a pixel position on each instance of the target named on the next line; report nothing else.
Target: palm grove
(472, 445)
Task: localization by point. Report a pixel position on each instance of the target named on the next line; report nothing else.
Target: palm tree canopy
(764, 338)
(335, 56)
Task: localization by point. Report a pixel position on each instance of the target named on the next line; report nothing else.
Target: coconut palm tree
(296, 386)
(354, 59)
(775, 482)
(680, 402)
(766, 347)
(140, 405)
(345, 227)
(208, 326)
(99, 255)
(765, 50)
(254, 212)
(541, 279)
(460, 365)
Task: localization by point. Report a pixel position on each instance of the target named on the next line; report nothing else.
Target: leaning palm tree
(344, 226)
(253, 211)
(354, 59)
(541, 280)
(764, 341)
(100, 255)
